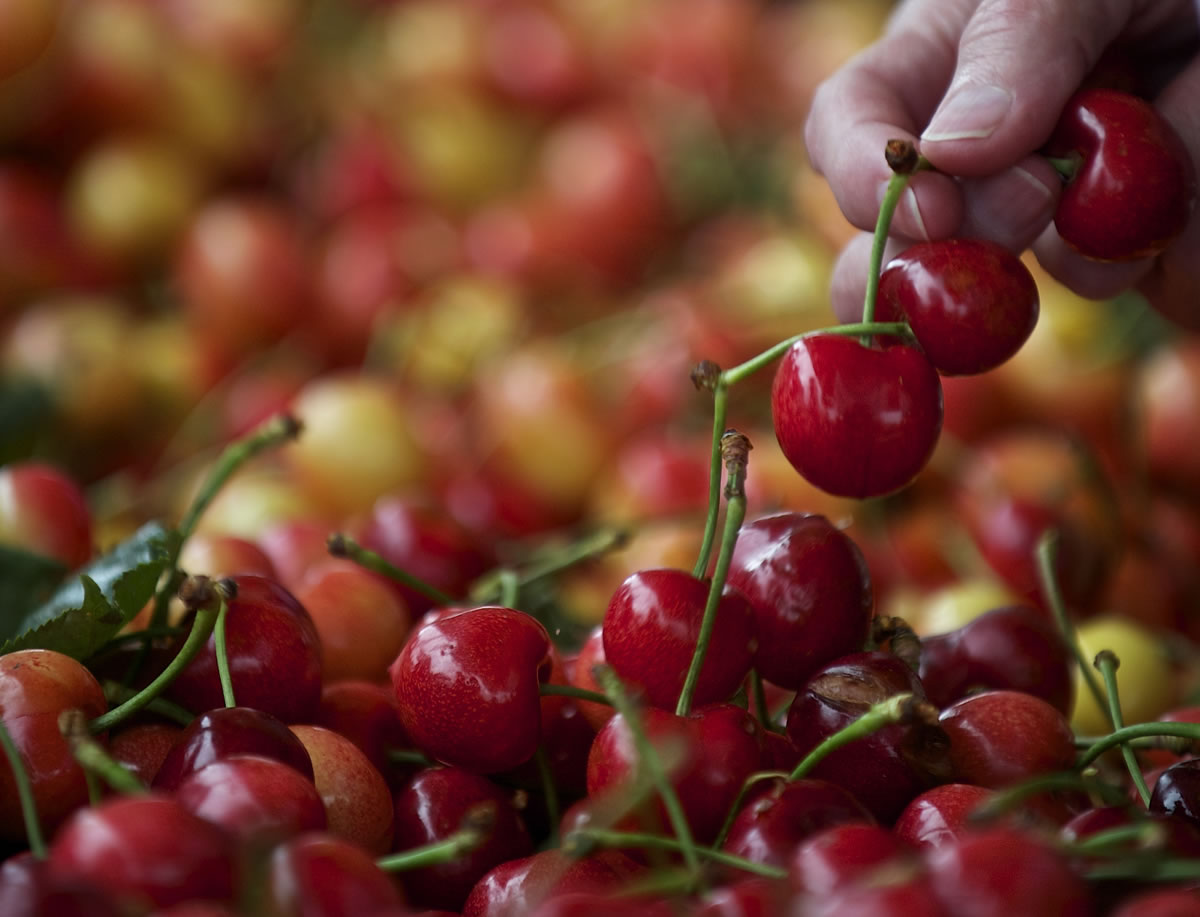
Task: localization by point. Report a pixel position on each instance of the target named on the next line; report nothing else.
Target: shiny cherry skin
(44, 511)
(771, 827)
(146, 848)
(319, 875)
(515, 888)
(745, 896)
(1135, 187)
(971, 303)
(467, 685)
(1177, 791)
(1015, 647)
(840, 855)
(142, 747)
(1000, 738)
(431, 808)
(997, 872)
(940, 814)
(36, 686)
(258, 800)
(891, 766)
(856, 421)
(810, 590)
(650, 630)
(708, 755)
(229, 731)
(267, 633)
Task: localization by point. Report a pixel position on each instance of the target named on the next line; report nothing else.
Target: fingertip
(1090, 279)
(848, 285)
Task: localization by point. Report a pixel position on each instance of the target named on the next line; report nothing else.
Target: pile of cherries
(366, 722)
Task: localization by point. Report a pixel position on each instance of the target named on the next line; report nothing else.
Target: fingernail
(969, 112)
(1033, 181)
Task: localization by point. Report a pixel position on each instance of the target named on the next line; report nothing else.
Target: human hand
(980, 85)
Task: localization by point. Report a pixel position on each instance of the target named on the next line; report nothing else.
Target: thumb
(1018, 63)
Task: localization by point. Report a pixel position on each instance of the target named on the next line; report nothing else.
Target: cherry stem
(200, 594)
(1143, 871)
(274, 432)
(489, 587)
(720, 406)
(898, 708)
(1046, 553)
(760, 702)
(33, 826)
(1144, 835)
(553, 690)
(549, 793)
(1138, 731)
(1067, 166)
(1004, 801)
(222, 652)
(92, 756)
(409, 756)
(648, 758)
(340, 544)
(1107, 662)
(472, 832)
(734, 451)
(750, 782)
(117, 693)
(902, 157)
(581, 841)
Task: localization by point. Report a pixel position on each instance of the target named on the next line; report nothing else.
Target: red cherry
(468, 684)
(856, 421)
(650, 631)
(971, 303)
(842, 854)
(45, 512)
(430, 809)
(941, 814)
(29, 889)
(317, 875)
(369, 716)
(146, 848)
(517, 887)
(1135, 188)
(142, 747)
(1170, 902)
(579, 671)
(909, 894)
(810, 590)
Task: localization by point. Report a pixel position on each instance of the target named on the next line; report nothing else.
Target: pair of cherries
(862, 421)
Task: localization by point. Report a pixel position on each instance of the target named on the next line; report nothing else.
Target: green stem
(720, 406)
(759, 696)
(488, 587)
(341, 545)
(1141, 871)
(1137, 731)
(749, 784)
(510, 587)
(1116, 841)
(1066, 166)
(895, 709)
(901, 175)
(549, 793)
(553, 690)
(117, 693)
(473, 832)
(93, 757)
(648, 759)
(222, 652)
(200, 593)
(1045, 554)
(583, 839)
(1008, 799)
(33, 826)
(409, 756)
(734, 447)
(1106, 661)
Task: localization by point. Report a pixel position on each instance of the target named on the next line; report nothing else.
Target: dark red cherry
(274, 656)
(142, 747)
(906, 894)
(430, 809)
(1015, 648)
(1135, 187)
(785, 814)
(1000, 738)
(517, 887)
(1177, 791)
(810, 590)
(856, 421)
(229, 731)
(317, 875)
(891, 766)
(148, 849)
(971, 303)
(746, 897)
(708, 755)
(467, 685)
(940, 814)
(842, 854)
(28, 889)
(258, 800)
(650, 630)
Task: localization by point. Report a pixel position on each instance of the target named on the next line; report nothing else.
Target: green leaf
(26, 580)
(89, 609)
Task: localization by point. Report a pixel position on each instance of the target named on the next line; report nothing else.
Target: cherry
(940, 814)
(971, 303)
(707, 755)
(142, 747)
(36, 686)
(369, 716)
(772, 826)
(579, 672)
(258, 800)
(856, 421)
(217, 555)
(148, 849)
(843, 854)
(650, 630)
(984, 744)
(517, 887)
(228, 731)
(318, 875)
(910, 893)
(886, 769)
(1169, 902)
(430, 809)
(753, 895)
(1002, 871)
(267, 633)
(1135, 186)
(44, 511)
(810, 590)
(1014, 647)
(1177, 791)
(467, 684)
(28, 889)
(356, 797)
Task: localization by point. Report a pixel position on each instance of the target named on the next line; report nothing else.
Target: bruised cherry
(856, 421)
